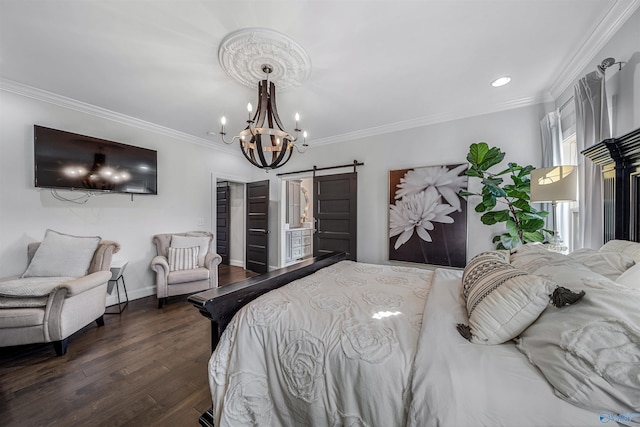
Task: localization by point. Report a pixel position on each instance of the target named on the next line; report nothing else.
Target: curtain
(551, 139)
(592, 126)
(551, 133)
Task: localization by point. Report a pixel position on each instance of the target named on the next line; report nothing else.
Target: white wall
(515, 131)
(184, 189)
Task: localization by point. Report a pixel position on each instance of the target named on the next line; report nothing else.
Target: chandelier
(265, 142)
(269, 58)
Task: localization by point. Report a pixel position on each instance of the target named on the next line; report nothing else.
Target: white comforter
(356, 345)
(334, 348)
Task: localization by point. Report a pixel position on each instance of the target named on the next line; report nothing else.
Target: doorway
(319, 216)
(298, 222)
(230, 221)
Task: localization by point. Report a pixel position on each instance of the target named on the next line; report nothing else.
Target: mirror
(304, 216)
(293, 203)
(298, 202)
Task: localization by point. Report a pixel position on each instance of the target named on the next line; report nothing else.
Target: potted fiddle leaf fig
(505, 200)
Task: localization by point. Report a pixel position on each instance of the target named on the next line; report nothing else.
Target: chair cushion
(182, 276)
(202, 242)
(21, 317)
(28, 291)
(62, 255)
(182, 258)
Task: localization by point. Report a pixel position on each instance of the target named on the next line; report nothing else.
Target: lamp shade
(554, 184)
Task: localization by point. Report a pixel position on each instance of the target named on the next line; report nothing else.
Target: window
(568, 222)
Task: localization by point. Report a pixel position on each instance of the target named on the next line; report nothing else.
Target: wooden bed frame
(220, 304)
(620, 162)
(619, 159)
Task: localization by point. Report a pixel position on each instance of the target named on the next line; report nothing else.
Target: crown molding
(593, 42)
(86, 108)
(429, 120)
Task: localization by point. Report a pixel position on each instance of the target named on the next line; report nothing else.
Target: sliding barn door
(223, 207)
(335, 213)
(257, 245)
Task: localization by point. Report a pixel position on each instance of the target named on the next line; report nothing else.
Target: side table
(117, 269)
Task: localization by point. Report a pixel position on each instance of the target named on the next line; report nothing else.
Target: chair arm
(82, 284)
(160, 264)
(212, 260)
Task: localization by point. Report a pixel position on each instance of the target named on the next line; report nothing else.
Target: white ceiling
(377, 66)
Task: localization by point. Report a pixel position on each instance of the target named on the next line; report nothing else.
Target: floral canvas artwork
(427, 217)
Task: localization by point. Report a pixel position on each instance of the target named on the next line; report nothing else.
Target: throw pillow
(501, 300)
(630, 278)
(631, 249)
(182, 258)
(62, 255)
(609, 264)
(202, 242)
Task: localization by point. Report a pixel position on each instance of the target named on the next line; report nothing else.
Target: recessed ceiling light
(501, 81)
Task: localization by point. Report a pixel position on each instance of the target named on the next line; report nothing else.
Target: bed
(340, 343)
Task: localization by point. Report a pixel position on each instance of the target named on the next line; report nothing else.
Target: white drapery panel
(592, 126)
(551, 133)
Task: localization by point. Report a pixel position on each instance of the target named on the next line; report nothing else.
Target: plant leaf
(533, 236)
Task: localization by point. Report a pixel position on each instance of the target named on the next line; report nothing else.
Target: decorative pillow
(62, 255)
(182, 258)
(630, 278)
(202, 242)
(501, 300)
(631, 249)
(609, 264)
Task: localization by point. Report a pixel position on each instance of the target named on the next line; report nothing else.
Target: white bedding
(355, 345)
(333, 348)
(467, 384)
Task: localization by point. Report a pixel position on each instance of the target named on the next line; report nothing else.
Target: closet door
(257, 245)
(222, 221)
(335, 202)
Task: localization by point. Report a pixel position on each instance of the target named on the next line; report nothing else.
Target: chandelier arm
(274, 106)
(300, 150)
(263, 102)
(228, 142)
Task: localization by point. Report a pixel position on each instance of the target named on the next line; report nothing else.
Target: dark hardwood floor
(145, 367)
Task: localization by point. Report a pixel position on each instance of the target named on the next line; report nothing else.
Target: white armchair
(50, 309)
(181, 281)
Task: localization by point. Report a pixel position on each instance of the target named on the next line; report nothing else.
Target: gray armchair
(184, 281)
(50, 309)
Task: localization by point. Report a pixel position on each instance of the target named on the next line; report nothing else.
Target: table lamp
(553, 185)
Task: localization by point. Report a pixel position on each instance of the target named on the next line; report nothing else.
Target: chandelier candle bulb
(223, 121)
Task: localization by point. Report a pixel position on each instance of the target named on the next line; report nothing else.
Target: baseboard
(236, 262)
(132, 294)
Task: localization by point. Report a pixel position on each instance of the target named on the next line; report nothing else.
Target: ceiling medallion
(243, 53)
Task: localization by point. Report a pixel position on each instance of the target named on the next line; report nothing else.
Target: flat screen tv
(65, 160)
